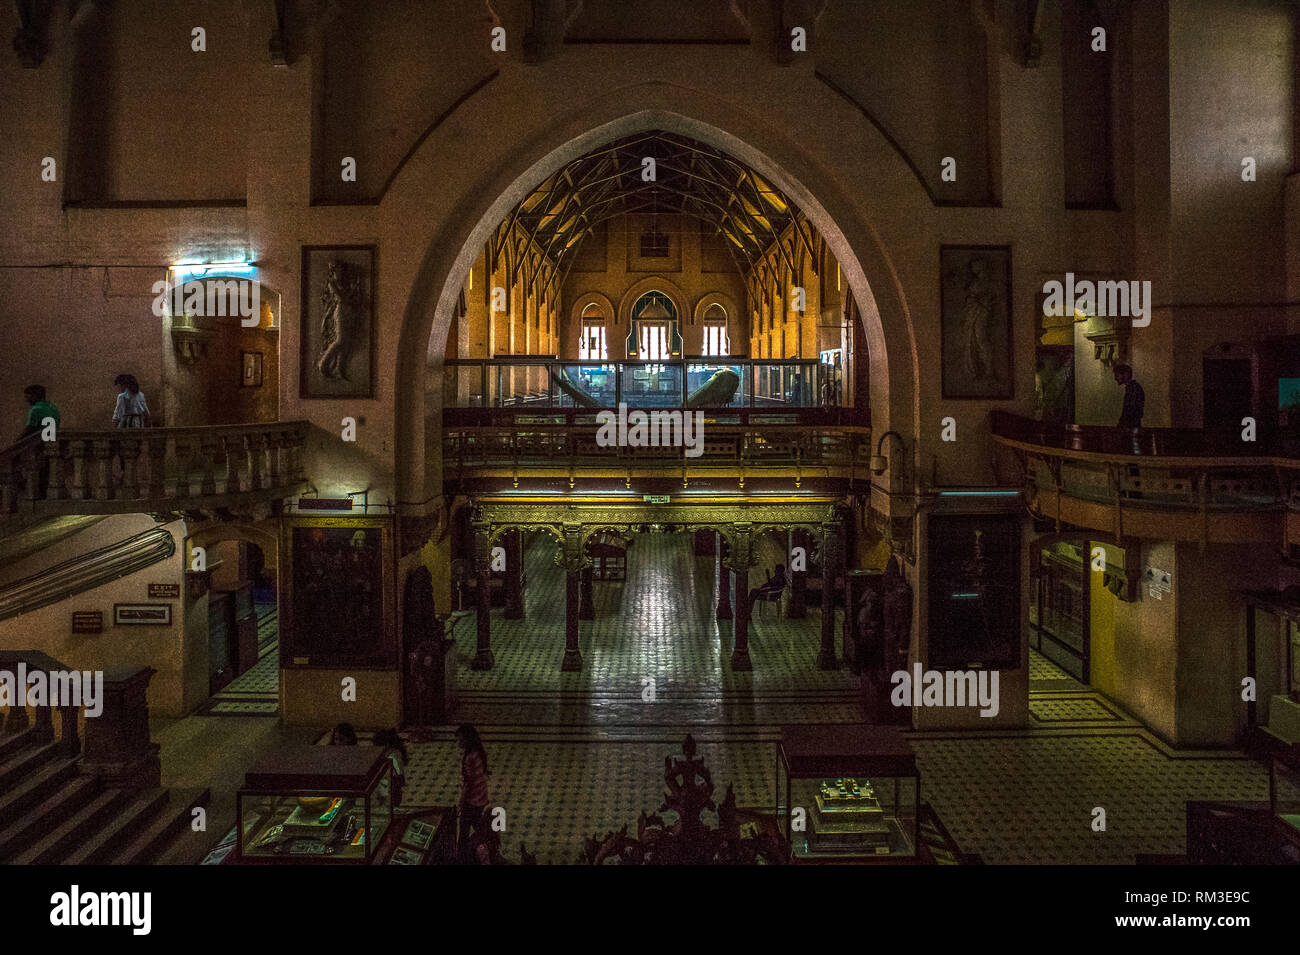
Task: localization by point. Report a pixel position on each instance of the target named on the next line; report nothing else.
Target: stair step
(11, 744)
(24, 762)
(53, 847)
(136, 815)
(43, 817)
(30, 791)
(170, 826)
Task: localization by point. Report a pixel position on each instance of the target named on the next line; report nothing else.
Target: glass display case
(847, 791)
(316, 804)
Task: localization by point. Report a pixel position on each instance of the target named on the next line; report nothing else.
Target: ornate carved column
(740, 559)
(483, 659)
(724, 581)
(797, 608)
(586, 599)
(832, 556)
(572, 559)
(514, 582)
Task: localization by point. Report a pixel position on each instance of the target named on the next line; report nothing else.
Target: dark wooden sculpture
(738, 839)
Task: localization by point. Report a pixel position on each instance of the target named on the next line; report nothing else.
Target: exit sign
(656, 498)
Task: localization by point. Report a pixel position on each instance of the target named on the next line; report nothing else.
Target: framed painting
(338, 321)
(339, 601)
(975, 321)
(142, 615)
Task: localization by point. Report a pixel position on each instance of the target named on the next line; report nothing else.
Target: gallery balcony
(204, 472)
(1157, 483)
(541, 419)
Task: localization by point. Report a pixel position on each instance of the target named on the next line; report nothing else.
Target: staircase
(53, 812)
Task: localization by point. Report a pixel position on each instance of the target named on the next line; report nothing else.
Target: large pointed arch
(836, 213)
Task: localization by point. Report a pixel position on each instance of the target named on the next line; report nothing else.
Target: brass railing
(150, 469)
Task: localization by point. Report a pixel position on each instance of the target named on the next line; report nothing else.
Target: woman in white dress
(131, 411)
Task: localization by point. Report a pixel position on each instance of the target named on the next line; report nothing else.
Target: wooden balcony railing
(1125, 481)
(151, 469)
(574, 446)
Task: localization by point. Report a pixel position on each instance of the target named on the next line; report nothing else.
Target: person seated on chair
(770, 590)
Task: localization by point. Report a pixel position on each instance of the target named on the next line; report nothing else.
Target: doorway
(243, 631)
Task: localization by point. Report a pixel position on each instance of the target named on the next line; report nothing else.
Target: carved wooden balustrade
(151, 470)
(573, 445)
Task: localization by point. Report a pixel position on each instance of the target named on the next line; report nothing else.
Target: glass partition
(652, 384)
(712, 385)
(585, 385)
(700, 382)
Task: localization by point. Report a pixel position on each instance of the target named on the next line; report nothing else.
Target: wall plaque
(88, 621)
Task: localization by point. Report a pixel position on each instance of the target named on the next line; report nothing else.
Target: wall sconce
(880, 463)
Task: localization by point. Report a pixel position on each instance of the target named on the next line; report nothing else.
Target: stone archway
(838, 215)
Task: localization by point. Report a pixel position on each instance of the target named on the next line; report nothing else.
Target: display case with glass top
(319, 804)
(847, 791)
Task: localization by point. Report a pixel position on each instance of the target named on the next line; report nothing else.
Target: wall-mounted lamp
(880, 463)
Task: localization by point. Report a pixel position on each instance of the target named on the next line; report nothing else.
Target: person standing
(472, 808)
(1135, 398)
(41, 408)
(131, 411)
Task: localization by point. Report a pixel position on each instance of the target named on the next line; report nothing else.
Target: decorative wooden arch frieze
(654, 283)
(1131, 546)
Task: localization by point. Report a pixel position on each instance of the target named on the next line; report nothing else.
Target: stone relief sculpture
(976, 321)
(342, 320)
(338, 336)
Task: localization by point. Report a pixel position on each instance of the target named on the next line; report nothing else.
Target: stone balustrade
(151, 469)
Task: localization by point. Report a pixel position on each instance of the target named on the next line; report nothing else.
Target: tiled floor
(577, 754)
(256, 691)
(573, 755)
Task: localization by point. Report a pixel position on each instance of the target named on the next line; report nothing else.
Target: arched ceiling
(690, 179)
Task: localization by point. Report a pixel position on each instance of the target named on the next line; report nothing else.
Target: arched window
(654, 335)
(591, 343)
(715, 330)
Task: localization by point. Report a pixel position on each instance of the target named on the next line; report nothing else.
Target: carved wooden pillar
(797, 608)
(724, 582)
(831, 556)
(514, 581)
(740, 559)
(483, 659)
(586, 599)
(572, 559)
